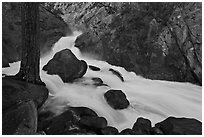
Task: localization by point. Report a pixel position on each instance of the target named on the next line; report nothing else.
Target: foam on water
(151, 99)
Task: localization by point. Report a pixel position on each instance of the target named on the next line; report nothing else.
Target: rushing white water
(152, 99)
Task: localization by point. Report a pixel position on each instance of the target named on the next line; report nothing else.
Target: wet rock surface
(66, 65)
(180, 126)
(142, 126)
(115, 72)
(94, 68)
(116, 99)
(98, 82)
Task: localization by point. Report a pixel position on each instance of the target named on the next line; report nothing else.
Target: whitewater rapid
(152, 99)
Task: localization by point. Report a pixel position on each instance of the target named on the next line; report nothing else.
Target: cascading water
(152, 99)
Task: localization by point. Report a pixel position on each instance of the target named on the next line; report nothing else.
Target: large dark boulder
(66, 65)
(142, 126)
(93, 122)
(52, 28)
(109, 131)
(20, 119)
(116, 99)
(180, 126)
(15, 91)
(127, 131)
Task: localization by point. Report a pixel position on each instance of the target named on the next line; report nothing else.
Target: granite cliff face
(155, 40)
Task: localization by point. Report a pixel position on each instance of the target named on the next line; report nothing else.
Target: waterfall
(152, 99)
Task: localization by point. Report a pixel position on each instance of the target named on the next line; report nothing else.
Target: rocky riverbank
(23, 111)
(21, 116)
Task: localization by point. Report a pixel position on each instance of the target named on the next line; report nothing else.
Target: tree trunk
(30, 58)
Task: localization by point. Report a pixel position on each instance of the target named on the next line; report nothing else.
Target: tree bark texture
(30, 59)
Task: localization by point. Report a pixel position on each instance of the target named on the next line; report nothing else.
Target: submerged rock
(116, 99)
(98, 82)
(94, 68)
(115, 72)
(66, 65)
(180, 126)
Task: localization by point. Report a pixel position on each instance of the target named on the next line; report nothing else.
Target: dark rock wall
(52, 28)
(136, 36)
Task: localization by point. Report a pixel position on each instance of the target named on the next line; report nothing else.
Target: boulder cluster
(82, 120)
(21, 101)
